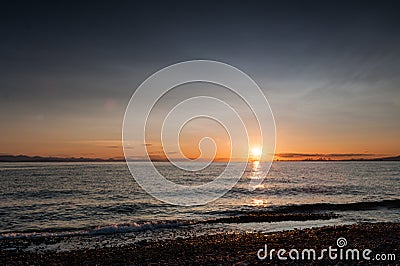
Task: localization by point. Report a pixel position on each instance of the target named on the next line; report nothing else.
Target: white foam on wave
(134, 227)
(103, 230)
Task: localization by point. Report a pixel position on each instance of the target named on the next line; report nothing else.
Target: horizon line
(283, 157)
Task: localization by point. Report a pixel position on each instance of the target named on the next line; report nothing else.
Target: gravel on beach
(228, 248)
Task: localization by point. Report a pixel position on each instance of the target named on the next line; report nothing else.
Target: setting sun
(256, 151)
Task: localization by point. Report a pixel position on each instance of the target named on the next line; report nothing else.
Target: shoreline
(225, 248)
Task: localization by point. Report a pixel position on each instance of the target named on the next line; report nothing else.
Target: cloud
(335, 155)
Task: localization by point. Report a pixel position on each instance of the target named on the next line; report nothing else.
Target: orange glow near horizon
(112, 148)
(107, 149)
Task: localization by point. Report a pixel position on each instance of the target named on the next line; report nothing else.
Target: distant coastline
(392, 158)
(26, 158)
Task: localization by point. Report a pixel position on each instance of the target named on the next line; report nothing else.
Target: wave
(303, 212)
(299, 190)
(99, 230)
(272, 217)
(135, 227)
(151, 226)
(354, 206)
(315, 207)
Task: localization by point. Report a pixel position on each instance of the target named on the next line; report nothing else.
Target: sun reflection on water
(259, 202)
(255, 172)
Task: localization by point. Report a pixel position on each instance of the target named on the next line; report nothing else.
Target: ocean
(79, 205)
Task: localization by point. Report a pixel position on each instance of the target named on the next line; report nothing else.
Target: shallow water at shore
(89, 202)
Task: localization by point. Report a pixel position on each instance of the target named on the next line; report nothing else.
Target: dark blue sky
(331, 70)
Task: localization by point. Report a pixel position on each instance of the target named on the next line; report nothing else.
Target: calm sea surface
(88, 199)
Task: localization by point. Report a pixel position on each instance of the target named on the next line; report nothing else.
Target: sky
(329, 69)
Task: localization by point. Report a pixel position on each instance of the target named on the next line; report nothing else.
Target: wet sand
(227, 249)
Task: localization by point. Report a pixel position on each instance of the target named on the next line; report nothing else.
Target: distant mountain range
(26, 158)
(396, 158)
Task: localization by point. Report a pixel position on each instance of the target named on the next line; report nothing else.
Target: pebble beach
(227, 249)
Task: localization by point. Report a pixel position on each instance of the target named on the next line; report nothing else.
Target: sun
(256, 152)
